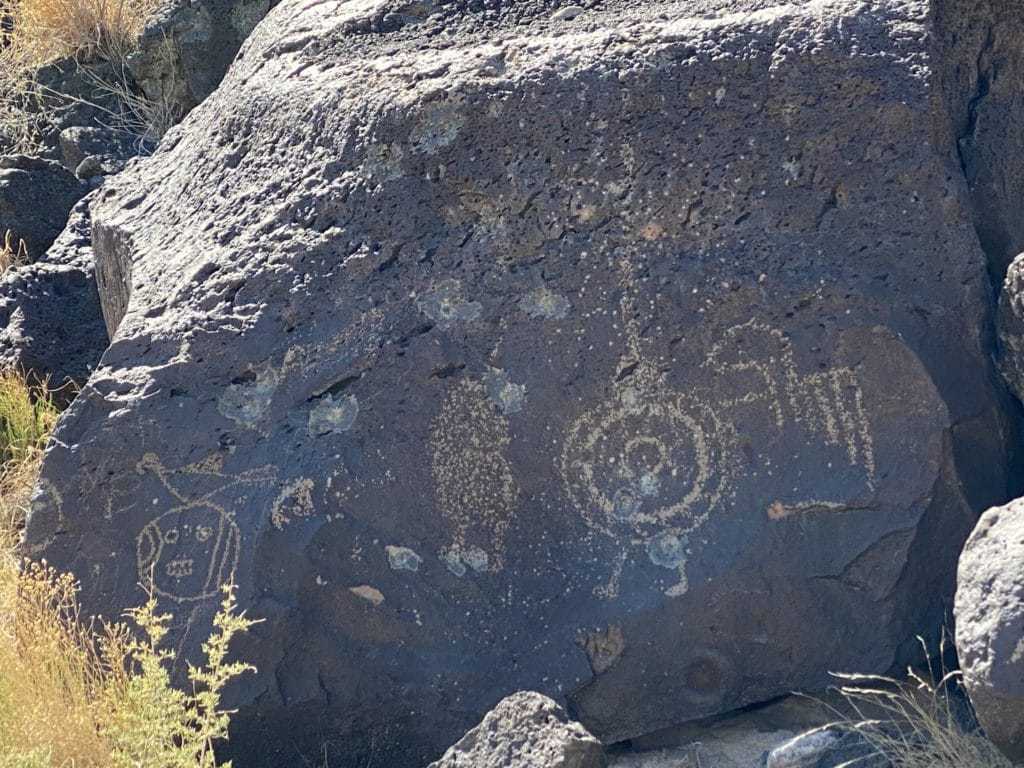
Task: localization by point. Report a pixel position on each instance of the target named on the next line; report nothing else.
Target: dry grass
(11, 256)
(74, 695)
(43, 31)
(40, 32)
(919, 722)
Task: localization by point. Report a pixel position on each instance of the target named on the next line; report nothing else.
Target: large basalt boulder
(36, 197)
(629, 354)
(51, 324)
(525, 730)
(990, 624)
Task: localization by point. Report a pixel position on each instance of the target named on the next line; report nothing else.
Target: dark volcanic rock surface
(990, 624)
(630, 353)
(36, 197)
(50, 319)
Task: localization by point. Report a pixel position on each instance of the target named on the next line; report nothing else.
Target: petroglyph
(476, 490)
(446, 305)
(330, 416)
(828, 405)
(545, 303)
(650, 465)
(294, 502)
(190, 551)
(403, 559)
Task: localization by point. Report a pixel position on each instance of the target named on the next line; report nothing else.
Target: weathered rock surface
(630, 353)
(187, 48)
(525, 730)
(36, 196)
(990, 624)
(50, 318)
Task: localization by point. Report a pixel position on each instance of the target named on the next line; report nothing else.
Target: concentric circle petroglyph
(648, 460)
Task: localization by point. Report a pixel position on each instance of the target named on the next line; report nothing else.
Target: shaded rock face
(631, 356)
(990, 624)
(984, 77)
(50, 313)
(186, 50)
(36, 197)
(525, 730)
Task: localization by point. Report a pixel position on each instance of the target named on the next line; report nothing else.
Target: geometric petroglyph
(187, 553)
(476, 491)
(650, 465)
(648, 461)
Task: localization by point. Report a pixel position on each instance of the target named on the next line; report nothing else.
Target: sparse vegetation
(73, 693)
(39, 32)
(11, 255)
(919, 722)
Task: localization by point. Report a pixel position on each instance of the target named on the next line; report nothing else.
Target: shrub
(75, 694)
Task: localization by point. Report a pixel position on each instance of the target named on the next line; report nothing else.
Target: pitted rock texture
(990, 625)
(630, 355)
(525, 730)
(50, 319)
(36, 197)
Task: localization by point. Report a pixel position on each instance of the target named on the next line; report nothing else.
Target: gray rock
(90, 152)
(36, 196)
(1011, 327)
(187, 48)
(525, 730)
(990, 624)
(826, 747)
(50, 312)
(631, 360)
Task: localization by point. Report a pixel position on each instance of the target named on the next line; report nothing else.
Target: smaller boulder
(36, 196)
(827, 747)
(525, 730)
(989, 613)
(187, 47)
(50, 319)
(92, 151)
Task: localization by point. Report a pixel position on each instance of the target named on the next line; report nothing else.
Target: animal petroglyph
(650, 464)
(190, 551)
(828, 405)
(476, 490)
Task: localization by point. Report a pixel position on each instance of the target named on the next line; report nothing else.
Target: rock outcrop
(36, 197)
(525, 730)
(50, 319)
(990, 625)
(187, 48)
(627, 353)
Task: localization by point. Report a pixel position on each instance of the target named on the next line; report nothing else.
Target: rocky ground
(654, 358)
